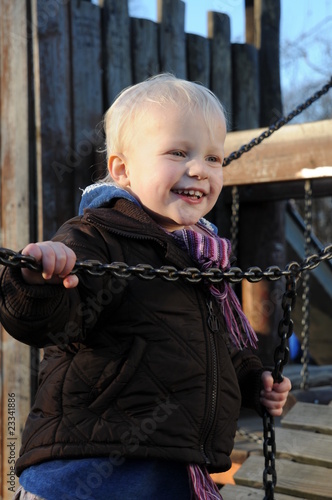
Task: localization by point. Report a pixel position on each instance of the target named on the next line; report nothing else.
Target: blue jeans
(99, 478)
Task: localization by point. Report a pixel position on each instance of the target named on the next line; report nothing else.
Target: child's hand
(274, 395)
(57, 261)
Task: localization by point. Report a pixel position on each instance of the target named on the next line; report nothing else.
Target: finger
(70, 281)
(68, 263)
(267, 381)
(48, 259)
(284, 386)
(58, 260)
(33, 250)
(30, 276)
(274, 397)
(274, 408)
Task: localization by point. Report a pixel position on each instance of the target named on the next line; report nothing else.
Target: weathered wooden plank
(251, 25)
(117, 53)
(268, 42)
(235, 492)
(198, 53)
(172, 37)
(16, 101)
(53, 115)
(245, 87)
(301, 480)
(318, 375)
(316, 395)
(304, 446)
(301, 151)
(219, 30)
(87, 94)
(311, 417)
(145, 49)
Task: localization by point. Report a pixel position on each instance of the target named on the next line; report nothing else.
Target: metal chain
(253, 274)
(305, 322)
(277, 125)
(235, 219)
(281, 356)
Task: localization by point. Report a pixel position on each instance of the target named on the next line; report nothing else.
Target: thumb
(267, 381)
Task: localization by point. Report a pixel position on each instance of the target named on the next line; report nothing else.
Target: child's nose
(197, 168)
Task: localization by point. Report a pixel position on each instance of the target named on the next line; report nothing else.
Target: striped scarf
(208, 250)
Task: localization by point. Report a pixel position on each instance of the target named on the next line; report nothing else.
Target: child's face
(173, 165)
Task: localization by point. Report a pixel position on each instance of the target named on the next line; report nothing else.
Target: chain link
(235, 219)
(277, 125)
(269, 450)
(305, 322)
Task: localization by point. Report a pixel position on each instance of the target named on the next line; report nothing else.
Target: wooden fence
(62, 63)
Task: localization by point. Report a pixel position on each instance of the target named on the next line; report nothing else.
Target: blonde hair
(163, 89)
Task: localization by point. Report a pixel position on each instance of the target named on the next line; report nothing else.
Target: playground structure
(56, 81)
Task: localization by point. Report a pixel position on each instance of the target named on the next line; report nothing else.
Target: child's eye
(178, 153)
(213, 159)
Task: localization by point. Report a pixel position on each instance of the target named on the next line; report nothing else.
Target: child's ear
(118, 169)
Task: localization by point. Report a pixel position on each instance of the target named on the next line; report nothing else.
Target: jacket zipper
(214, 327)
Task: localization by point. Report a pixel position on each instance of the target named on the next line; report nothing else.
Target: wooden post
(117, 41)
(87, 110)
(145, 49)
(54, 142)
(262, 232)
(245, 71)
(16, 103)
(219, 29)
(172, 37)
(198, 53)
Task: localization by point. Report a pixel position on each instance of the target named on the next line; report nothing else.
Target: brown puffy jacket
(130, 366)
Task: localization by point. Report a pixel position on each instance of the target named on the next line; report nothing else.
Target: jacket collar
(125, 218)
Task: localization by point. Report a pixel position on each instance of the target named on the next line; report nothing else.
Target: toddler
(141, 381)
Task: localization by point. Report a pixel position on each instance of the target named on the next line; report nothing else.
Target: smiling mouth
(190, 193)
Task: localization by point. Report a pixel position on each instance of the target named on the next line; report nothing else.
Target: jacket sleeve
(44, 315)
(249, 369)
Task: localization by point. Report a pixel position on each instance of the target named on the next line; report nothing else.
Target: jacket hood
(100, 194)
(97, 195)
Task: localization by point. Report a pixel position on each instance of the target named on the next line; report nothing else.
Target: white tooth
(191, 192)
(198, 193)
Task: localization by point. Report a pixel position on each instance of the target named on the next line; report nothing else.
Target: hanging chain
(235, 219)
(277, 125)
(305, 322)
(281, 356)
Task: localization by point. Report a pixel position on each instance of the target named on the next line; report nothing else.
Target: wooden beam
(294, 152)
(14, 223)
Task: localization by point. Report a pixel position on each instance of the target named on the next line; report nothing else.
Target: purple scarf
(208, 250)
